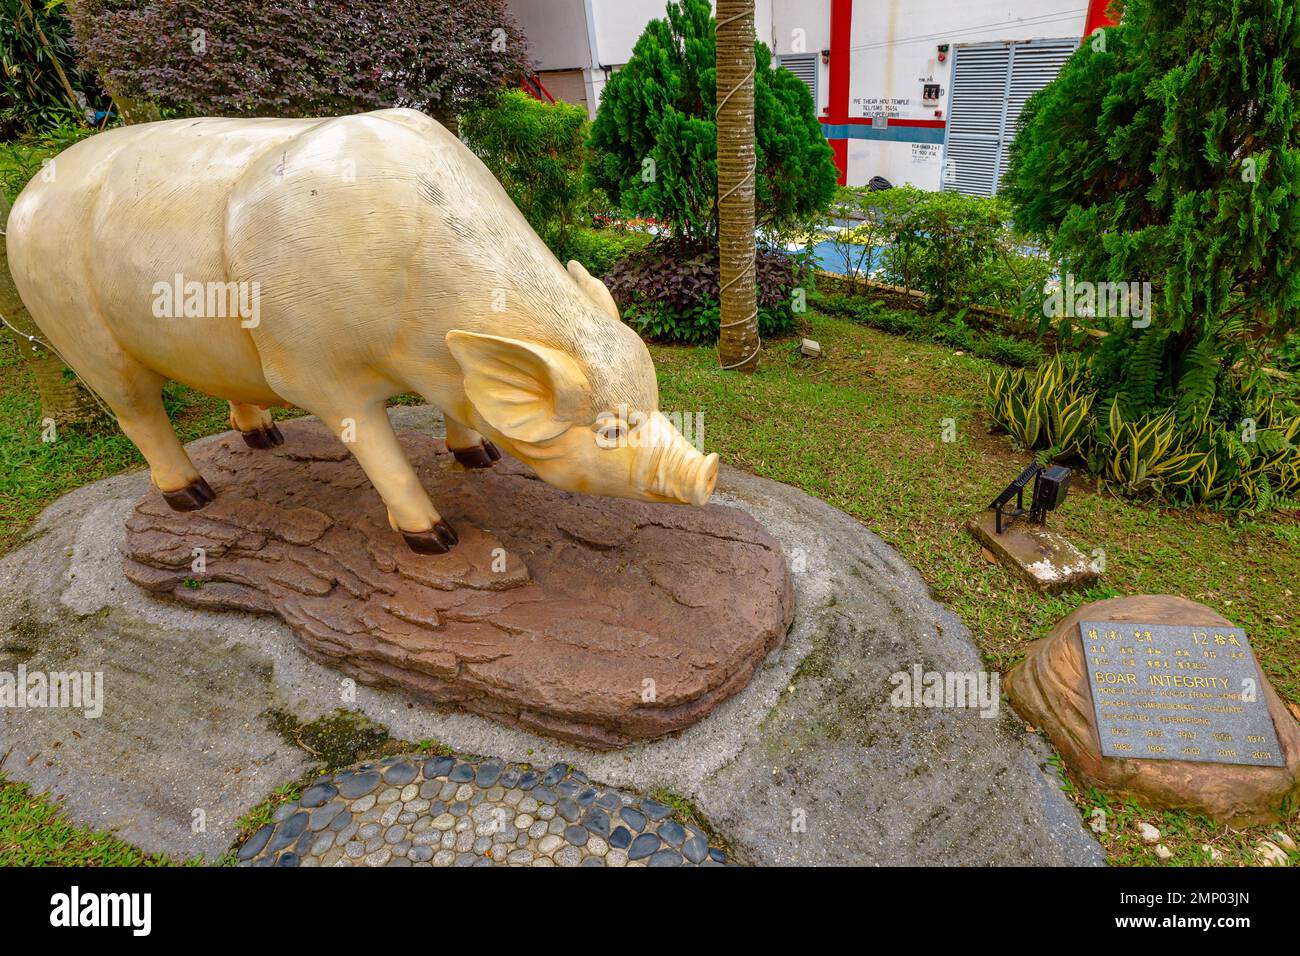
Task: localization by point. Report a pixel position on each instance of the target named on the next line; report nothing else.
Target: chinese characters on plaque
(1177, 692)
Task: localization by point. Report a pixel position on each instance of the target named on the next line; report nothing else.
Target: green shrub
(1286, 358)
(1006, 350)
(1045, 409)
(1014, 280)
(1288, 354)
(940, 243)
(855, 235)
(599, 249)
(669, 291)
(960, 250)
(945, 328)
(1168, 151)
(301, 57)
(23, 159)
(695, 324)
(840, 303)
(1147, 454)
(1252, 466)
(33, 98)
(898, 322)
(536, 150)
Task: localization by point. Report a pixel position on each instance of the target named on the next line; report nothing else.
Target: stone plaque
(1178, 692)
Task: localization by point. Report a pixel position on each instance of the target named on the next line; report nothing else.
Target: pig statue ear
(525, 391)
(595, 289)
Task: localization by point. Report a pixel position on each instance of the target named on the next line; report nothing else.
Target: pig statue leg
(350, 401)
(374, 444)
(254, 423)
(365, 430)
(470, 448)
(135, 395)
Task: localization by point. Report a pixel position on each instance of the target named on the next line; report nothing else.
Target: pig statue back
(330, 264)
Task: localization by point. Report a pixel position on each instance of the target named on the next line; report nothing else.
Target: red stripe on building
(838, 105)
(1098, 17)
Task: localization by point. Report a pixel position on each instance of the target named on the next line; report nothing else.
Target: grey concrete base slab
(811, 764)
(1039, 556)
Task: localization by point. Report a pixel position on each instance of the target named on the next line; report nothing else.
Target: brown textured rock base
(1050, 690)
(593, 620)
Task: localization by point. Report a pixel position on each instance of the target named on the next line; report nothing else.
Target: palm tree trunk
(738, 342)
(448, 117)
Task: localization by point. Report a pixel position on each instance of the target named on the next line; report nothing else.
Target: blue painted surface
(828, 258)
(889, 134)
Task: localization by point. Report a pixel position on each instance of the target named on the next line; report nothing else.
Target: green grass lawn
(35, 832)
(33, 473)
(862, 428)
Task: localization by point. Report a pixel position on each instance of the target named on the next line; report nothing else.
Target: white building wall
(556, 32)
(620, 23)
(803, 27)
(894, 53)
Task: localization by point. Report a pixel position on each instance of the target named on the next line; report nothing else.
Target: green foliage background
(1168, 151)
(32, 99)
(537, 151)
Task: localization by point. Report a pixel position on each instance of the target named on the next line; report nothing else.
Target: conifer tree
(1168, 150)
(655, 142)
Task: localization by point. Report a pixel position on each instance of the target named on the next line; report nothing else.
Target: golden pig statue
(331, 264)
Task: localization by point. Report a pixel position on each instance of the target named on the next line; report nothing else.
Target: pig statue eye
(610, 434)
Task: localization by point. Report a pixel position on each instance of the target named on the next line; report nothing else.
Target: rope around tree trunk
(736, 166)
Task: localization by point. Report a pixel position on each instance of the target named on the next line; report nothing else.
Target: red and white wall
(868, 61)
(877, 57)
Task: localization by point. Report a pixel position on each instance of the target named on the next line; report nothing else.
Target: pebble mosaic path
(440, 811)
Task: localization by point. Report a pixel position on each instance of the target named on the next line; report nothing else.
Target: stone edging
(439, 811)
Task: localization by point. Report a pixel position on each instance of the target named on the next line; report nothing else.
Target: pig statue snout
(674, 469)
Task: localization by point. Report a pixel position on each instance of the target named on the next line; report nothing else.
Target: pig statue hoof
(438, 540)
(190, 498)
(481, 456)
(263, 438)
